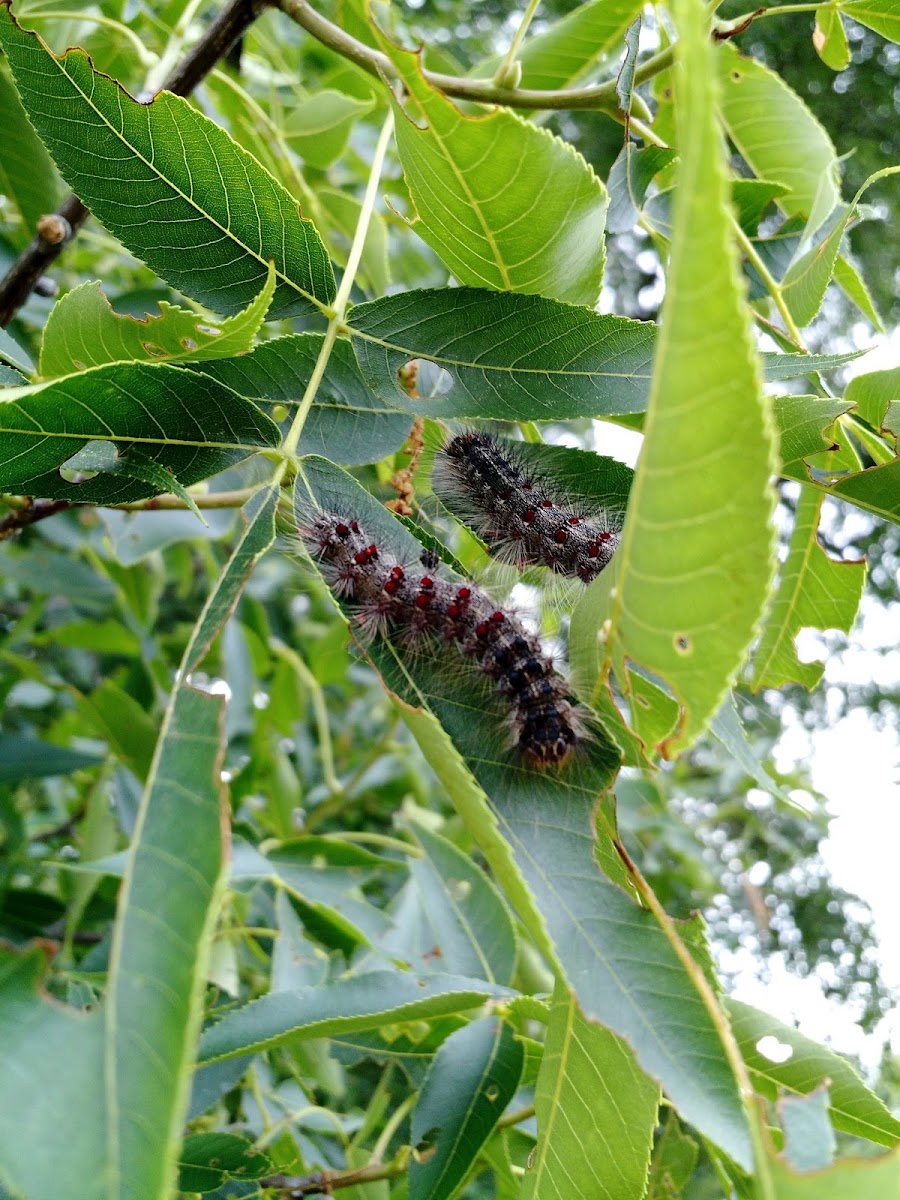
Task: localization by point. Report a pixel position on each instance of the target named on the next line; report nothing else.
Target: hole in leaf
(188, 343)
(426, 1146)
(810, 645)
(89, 461)
(209, 330)
(491, 1092)
(79, 365)
(775, 1051)
(736, 76)
(642, 701)
(682, 643)
(155, 351)
(422, 379)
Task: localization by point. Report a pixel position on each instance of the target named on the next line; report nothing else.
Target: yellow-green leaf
(505, 204)
(697, 547)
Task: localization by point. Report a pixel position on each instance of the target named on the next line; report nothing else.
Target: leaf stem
(771, 283)
(693, 970)
(483, 91)
(507, 66)
(339, 308)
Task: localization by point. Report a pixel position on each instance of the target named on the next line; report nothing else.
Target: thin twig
(323, 1183)
(27, 511)
(375, 62)
(31, 264)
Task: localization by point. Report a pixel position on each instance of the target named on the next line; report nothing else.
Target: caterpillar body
(391, 597)
(516, 511)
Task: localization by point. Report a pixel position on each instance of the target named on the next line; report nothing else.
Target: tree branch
(601, 96)
(27, 511)
(228, 26)
(323, 1183)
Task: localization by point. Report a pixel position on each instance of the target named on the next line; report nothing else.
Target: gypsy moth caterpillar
(390, 597)
(517, 511)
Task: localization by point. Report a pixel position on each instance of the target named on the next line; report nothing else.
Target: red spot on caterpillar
(386, 597)
(560, 536)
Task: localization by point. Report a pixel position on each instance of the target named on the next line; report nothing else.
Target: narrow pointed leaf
(697, 549)
(359, 1002)
(596, 1113)
(472, 1078)
(207, 221)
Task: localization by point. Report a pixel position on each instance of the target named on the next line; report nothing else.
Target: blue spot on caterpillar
(391, 597)
(488, 485)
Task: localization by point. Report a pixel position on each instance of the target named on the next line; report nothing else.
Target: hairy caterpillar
(515, 510)
(392, 597)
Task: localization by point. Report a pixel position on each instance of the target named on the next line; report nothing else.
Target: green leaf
(207, 1160)
(505, 204)
(11, 352)
(697, 548)
(591, 1097)
(809, 1142)
(28, 758)
(513, 358)
(873, 394)
(538, 833)
(368, 1001)
(625, 78)
(114, 1082)
(752, 197)
(630, 176)
(208, 222)
(318, 128)
(804, 1064)
(347, 423)
(803, 422)
(123, 723)
(27, 176)
(830, 38)
(572, 46)
(472, 1078)
(466, 924)
(814, 591)
(156, 409)
(849, 1179)
(881, 15)
(58, 1056)
(777, 135)
(727, 726)
(848, 278)
(84, 331)
(674, 1159)
(161, 944)
(805, 281)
